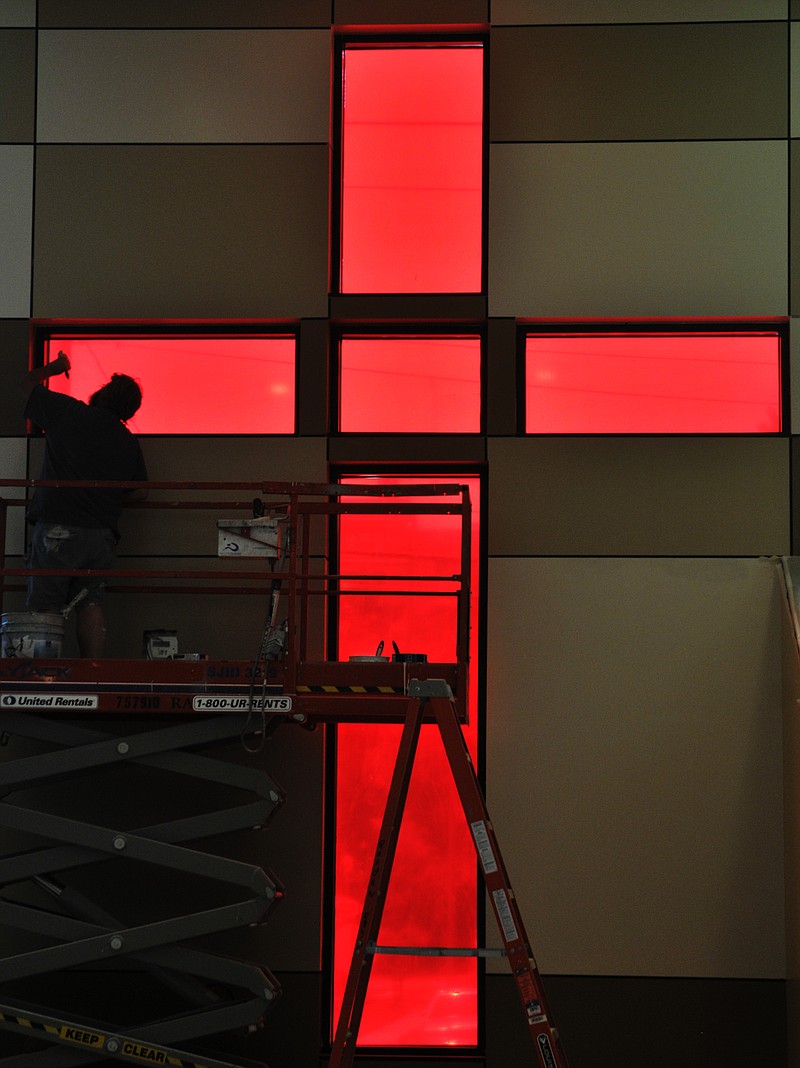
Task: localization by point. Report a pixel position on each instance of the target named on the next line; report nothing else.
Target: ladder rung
(435, 951)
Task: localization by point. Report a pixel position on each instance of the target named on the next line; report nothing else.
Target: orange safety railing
(305, 514)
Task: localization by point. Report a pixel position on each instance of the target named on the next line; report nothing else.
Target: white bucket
(31, 634)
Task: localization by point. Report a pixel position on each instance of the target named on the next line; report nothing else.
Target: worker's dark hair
(122, 394)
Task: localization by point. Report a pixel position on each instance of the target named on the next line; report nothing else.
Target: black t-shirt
(82, 442)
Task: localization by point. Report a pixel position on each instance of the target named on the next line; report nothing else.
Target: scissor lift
(69, 710)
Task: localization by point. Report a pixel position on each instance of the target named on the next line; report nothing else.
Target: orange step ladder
(433, 697)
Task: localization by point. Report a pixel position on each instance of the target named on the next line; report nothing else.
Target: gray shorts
(58, 546)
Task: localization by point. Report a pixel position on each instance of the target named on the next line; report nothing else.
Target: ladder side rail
(463, 597)
(504, 903)
(346, 1036)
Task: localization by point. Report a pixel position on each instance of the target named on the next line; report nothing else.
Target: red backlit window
(232, 384)
(412, 168)
(648, 383)
(411, 1001)
(410, 384)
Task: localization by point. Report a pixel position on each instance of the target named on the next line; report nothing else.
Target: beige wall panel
(14, 342)
(543, 12)
(18, 13)
(638, 229)
(17, 84)
(794, 226)
(634, 762)
(221, 626)
(217, 619)
(795, 491)
(794, 79)
(16, 219)
(13, 457)
(618, 83)
(791, 781)
(268, 459)
(639, 496)
(181, 231)
(154, 13)
(183, 86)
(223, 619)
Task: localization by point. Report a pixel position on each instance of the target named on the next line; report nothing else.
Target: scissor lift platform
(324, 691)
(124, 717)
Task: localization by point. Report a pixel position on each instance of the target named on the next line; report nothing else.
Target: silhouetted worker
(75, 527)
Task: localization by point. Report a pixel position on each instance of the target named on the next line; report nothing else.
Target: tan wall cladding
(16, 220)
(92, 89)
(644, 497)
(656, 229)
(181, 231)
(597, 12)
(634, 761)
(177, 13)
(18, 13)
(17, 84)
(618, 83)
(791, 783)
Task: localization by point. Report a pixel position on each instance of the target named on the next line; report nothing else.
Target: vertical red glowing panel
(412, 1001)
(700, 383)
(407, 384)
(412, 169)
(238, 384)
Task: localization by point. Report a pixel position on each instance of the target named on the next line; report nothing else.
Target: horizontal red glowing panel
(412, 169)
(654, 383)
(404, 384)
(432, 893)
(190, 385)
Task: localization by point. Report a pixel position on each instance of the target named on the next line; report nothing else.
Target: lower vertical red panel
(432, 900)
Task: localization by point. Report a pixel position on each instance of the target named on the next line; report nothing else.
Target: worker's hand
(61, 364)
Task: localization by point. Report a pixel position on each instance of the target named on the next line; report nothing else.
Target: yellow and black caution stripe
(390, 690)
(132, 1050)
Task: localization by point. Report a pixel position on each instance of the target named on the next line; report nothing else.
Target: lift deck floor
(320, 691)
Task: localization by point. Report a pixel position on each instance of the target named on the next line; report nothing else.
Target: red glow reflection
(190, 385)
(668, 383)
(412, 169)
(432, 893)
(409, 384)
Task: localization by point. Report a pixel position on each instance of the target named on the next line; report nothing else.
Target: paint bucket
(408, 658)
(31, 634)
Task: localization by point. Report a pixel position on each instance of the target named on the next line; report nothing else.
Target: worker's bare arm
(59, 366)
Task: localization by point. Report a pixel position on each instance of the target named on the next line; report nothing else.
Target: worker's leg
(49, 548)
(91, 627)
